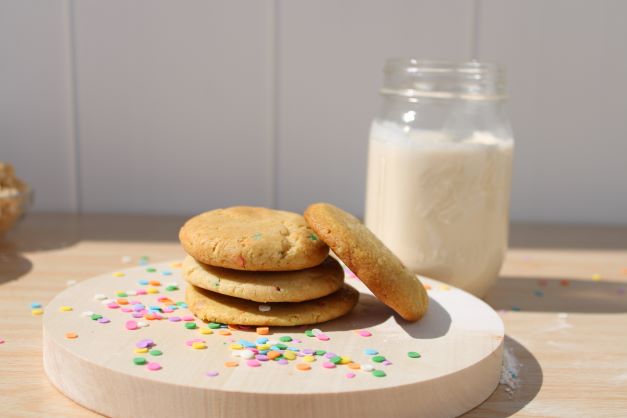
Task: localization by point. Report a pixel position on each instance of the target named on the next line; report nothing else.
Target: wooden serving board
(460, 341)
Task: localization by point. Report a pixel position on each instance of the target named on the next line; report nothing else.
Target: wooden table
(562, 296)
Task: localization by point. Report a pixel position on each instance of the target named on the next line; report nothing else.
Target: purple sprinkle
(299, 354)
(174, 319)
(104, 320)
(387, 363)
(282, 361)
(212, 373)
(308, 351)
(137, 315)
(297, 341)
(329, 355)
(262, 357)
(144, 343)
(138, 308)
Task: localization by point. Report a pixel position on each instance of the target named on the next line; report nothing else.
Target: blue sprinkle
(143, 282)
(262, 340)
(35, 305)
(371, 351)
(263, 351)
(275, 348)
(166, 273)
(293, 349)
(538, 293)
(143, 261)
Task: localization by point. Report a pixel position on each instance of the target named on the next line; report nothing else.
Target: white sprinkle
(107, 301)
(316, 331)
(70, 282)
(272, 342)
(126, 259)
(172, 284)
(367, 367)
(247, 354)
(562, 315)
(131, 292)
(236, 353)
(142, 324)
(264, 308)
(99, 296)
(87, 313)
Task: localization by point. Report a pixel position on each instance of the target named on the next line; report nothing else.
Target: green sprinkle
(336, 359)
(285, 339)
(257, 236)
(309, 333)
(313, 237)
(378, 359)
(139, 361)
(214, 325)
(96, 317)
(378, 373)
(281, 346)
(320, 352)
(155, 352)
(191, 325)
(414, 354)
(151, 269)
(121, 294)
(171, 288)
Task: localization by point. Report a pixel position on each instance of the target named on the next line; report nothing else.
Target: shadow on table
(13, 265)
(527, 384)
(553, 295)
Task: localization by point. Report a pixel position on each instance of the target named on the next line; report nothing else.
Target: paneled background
(155, 106)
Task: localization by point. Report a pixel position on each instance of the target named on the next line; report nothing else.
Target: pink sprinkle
(328, 365)
(350, 375)
(387, 363)
(323, 337)
(127, 310)
(194, 340)
(174, 319)
(187, 318)
(1, 341)
(253, 363)
(212, 373)
(141, 291)
(131, 325)
(137, 315)
(113, 306)
(154, 366)
(365, 333)
(167, 310)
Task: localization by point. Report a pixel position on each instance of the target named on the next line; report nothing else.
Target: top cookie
(251, 238)
(375, 265)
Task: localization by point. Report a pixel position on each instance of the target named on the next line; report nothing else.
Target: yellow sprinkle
(290, 355)
(345, 360)
(206, 331)
(445, 287)
(141, 350)
(176, 265)
(37, 311)
(65, 308)
(596, 277)
(309, 359)
(199, 345)
(236, 347)
(152, 290)
(118, 274)
(263, 347)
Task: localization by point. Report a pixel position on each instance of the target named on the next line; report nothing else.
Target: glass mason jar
(439, 170)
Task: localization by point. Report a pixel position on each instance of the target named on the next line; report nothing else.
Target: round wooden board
(460, 340)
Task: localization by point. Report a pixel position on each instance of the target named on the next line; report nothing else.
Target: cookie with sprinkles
(280, 286)
(375, 265)
(252, 238)
(212, 306)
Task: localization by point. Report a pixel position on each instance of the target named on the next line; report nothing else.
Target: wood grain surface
(562, 296)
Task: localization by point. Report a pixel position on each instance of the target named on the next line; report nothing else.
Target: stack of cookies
(258, 266)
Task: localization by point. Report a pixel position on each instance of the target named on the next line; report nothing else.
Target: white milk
(441, 206)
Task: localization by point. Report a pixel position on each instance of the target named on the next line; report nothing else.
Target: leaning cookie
(252, 238)
(211, 306)
(375, 265)
(280, 286)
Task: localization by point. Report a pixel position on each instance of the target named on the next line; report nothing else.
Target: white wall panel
(330, 71)
(175, 104)
(567, 65)
(36, 124)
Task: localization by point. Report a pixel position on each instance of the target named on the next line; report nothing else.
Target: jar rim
(414, 65)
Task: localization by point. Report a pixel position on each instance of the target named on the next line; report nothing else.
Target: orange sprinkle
(427, 286)
(263, 330)
(176, 265)
(71, 335)
(233, 327)
(303, 366)
(231, 364)
(150, 317)
(354, 365)
(273, 354)
(155, 283)
(122, 301)
(166, 301)
(564, 282)
(224, 332)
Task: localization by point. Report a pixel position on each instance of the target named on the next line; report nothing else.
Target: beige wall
(178, 106)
